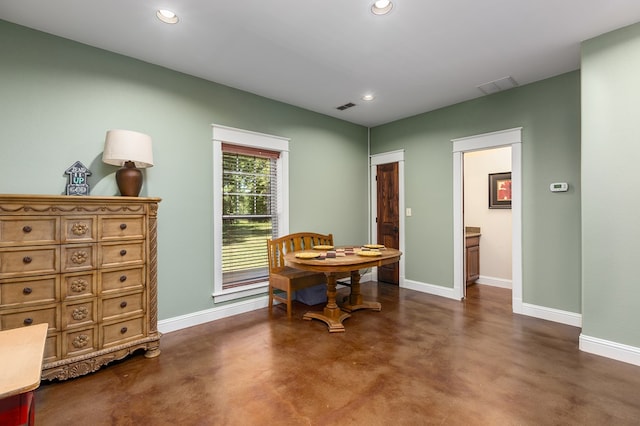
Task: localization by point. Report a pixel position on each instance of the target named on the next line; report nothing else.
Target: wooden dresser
(87, 266)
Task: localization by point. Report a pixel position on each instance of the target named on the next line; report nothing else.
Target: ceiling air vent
(498, 85)
(346, 106)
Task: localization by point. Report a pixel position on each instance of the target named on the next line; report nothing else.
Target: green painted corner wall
(60, 97)
(610, 200)
(549, 113)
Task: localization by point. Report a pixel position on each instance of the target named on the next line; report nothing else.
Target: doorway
(487, 217)
(388, 218)
(389, 158)
(510, 137)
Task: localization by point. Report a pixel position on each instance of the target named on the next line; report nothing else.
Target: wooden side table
(21, 353)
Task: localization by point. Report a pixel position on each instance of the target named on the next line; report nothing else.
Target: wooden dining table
(332, 314)
(21, 354)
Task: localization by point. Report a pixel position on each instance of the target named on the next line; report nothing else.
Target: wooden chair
(286, 279)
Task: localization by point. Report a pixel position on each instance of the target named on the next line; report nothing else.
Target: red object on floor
(17, 410)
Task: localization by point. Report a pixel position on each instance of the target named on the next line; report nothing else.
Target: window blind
(249, 213)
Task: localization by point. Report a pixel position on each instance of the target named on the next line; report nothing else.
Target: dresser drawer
(122, 254)
(78, 257)
(77, 229)
(122, 279)
(124, 305)
(120, 332)
(21, 318)
(121, 227)
(78, 342)
(51, 348)
(78, 285)
(29, 290)
(28, 261)
(21, 230)
(79, 313)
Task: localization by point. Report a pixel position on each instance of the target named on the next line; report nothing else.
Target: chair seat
(296, 273)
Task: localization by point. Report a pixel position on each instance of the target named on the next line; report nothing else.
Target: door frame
(374, 161)
(508, 137)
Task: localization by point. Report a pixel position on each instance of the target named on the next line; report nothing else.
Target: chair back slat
(278, 247)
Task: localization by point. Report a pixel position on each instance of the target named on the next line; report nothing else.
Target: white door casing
(509, 137)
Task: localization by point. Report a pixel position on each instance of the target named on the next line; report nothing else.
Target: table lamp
(132, 151)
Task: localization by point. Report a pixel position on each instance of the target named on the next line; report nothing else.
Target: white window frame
(230, 135)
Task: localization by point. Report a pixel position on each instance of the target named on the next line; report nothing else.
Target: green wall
(611, 182)
(549, 113)
(58, 99)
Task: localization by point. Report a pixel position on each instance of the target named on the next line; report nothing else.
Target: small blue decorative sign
(78, 182)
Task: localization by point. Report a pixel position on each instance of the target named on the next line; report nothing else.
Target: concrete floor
(422, 360)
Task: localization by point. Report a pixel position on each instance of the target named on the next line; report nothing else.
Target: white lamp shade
(121, 146)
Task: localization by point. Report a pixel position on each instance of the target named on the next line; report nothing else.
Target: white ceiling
(319, 55)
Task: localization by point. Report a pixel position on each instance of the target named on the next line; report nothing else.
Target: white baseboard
(542, 312)
(613, 350)
(494, 282)
(551, 314)
(516, 305)
(372, 275)
(437, 290)
(201, 317)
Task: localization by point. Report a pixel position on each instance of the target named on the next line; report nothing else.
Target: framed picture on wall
(500, 190)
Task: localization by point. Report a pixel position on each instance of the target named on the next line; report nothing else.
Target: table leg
(355, 299)
(332, 315)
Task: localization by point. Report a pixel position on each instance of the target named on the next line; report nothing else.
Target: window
(250, 206)
(249, 213)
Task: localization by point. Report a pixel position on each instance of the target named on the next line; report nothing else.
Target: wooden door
(388, 217)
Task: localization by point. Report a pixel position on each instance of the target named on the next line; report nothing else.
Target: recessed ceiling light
(381, 7)
(368, 97)
(167, 16)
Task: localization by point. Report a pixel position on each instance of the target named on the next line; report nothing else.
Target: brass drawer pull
(123, 330)
(26, 229)
(123, 226)
(123, 304)
(28, 321)
(123, 278)
(123, 252)
(27, 259)
(27, 290)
